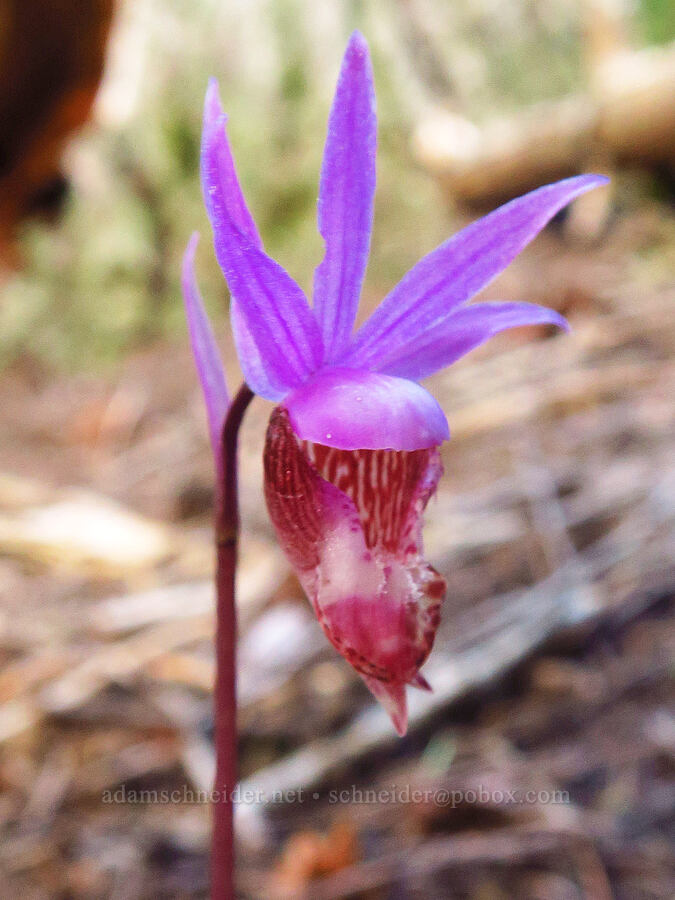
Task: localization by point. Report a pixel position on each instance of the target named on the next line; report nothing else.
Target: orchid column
(352, 449)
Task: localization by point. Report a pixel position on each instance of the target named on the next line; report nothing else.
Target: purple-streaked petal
(346, 192)
(460, 333)
(273, 308)
(459, 268)
(260, 378)
(226, 173)
(354, 410)
(205, 351)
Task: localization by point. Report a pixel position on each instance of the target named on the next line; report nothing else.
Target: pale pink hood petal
(354, 410)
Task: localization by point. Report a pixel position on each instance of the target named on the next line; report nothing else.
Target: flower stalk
(225, 700)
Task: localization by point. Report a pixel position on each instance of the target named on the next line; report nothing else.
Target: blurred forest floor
(554, 524)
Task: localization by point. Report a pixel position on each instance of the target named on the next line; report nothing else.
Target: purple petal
(346, 194)
(205, 351)
(260, 378)
(228, 183)
(459, 268)
(354, 410)
(277, 319)
(462, 332)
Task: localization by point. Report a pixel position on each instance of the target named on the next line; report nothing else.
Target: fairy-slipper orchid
(351, 456)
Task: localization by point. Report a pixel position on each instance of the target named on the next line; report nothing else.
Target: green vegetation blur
(104, 280)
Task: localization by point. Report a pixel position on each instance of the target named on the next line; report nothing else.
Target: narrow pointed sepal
(205, 351)
(393, 698)
(226, 184)
(449, 276)
(281, 343)
(463, 331)
(346, 192)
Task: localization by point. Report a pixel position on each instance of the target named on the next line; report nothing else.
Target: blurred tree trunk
(51, 61)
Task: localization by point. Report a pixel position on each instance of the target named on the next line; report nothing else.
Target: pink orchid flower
(352, 450)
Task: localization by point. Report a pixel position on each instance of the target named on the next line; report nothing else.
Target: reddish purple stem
(225, 701)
